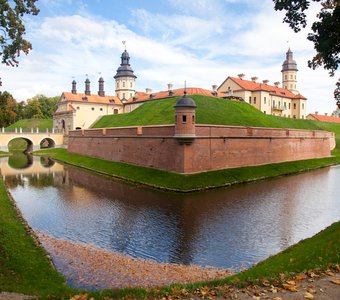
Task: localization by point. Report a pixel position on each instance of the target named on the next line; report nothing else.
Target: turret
(101, 91)
(87, 87)
(125, 78)
(185, 119)
(289, 73)
(74, 87)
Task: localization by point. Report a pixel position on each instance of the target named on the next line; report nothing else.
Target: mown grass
(28, 124)
(24, 266)
(17, 144)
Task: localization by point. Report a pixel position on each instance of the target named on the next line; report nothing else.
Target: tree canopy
(39, 107)
(12, 29)
(325, 31)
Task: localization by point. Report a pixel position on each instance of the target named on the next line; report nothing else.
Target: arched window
(131, 84)
(294, 105)
(123, 83)
(115, 111)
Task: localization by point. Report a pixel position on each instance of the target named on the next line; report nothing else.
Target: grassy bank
(185, 183)
(28, 124)
(24, 267)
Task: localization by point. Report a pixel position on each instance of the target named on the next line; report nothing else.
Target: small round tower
(185, 118)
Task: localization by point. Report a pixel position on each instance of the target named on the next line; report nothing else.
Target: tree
(7, 113)
(12, 29)
(325, 31)
(33, 110)
(48, 105)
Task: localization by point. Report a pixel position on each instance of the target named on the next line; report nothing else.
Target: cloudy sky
(169, 41)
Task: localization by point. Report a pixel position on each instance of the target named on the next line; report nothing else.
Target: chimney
(74, 87)
(253, 79)
(265, 81)
(101, 91)
(87, 87)
(170, 89)
(316, 112)
(241, 76)
(148, 91)
(277, 84)
(214, 90)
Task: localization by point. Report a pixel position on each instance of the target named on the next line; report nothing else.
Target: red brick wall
(216, 147)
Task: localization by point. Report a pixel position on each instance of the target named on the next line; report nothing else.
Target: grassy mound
(27, 124)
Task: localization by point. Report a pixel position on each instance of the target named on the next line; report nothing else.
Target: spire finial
(124, 43)
(185, 87)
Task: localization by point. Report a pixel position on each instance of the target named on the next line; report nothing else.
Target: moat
(230, 228)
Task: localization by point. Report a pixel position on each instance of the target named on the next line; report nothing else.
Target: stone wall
(214, 147)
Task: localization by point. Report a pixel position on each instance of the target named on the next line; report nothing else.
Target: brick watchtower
(185, 118)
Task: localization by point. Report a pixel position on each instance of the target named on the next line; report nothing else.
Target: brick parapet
(214, 147)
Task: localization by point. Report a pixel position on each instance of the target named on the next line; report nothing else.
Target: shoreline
(89, 267)
(288, 168)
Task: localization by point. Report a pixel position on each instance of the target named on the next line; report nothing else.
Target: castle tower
(125, 79)
(289, 73)
(185, 119)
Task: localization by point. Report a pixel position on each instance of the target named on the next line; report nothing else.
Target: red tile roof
(273, 90)
(325, 118)
(141, 96)
(79, 97)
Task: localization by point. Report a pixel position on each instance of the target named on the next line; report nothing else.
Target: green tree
(7, 113)
(12, 29)
(325, 31)
(48, 105)
(33, 110)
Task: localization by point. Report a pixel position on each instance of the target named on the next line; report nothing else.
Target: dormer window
(85, 98)
(112, 101)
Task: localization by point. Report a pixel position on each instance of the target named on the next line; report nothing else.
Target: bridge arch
(47, 142)
(30, 143)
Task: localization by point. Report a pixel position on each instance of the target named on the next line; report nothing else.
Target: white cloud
(195, 47)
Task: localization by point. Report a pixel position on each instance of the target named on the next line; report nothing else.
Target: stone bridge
(34, 139)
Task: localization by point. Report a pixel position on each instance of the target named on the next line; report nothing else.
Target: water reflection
(225, 228)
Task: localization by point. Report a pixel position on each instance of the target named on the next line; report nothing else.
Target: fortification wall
(213, 148)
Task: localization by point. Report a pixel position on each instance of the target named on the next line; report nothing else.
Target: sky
(201, 42)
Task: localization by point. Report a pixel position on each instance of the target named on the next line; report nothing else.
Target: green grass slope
(24, 266)
(27, 124)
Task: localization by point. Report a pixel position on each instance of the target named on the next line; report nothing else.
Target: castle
(80, 110)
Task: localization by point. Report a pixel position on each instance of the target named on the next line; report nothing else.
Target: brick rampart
(214, 147)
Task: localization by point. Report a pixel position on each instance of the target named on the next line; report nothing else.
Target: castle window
(302, 116)
(130, 84)
(285, 105)
(294, 116)
(264, 112)
(291, 76)
(193, 119)
(289, 105)
(123, 83)
(265, 100)
(285, 77)
(92, 108)
(115, 111)
(117, 84)
(294, 105)
(291, 86)
(101, 109)
(78, 107)
(303, 106)
(184, 119)
(285, 87)
(295, 76)
(130, 95)
(250, 100)
(273, 103)
(254, 100)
